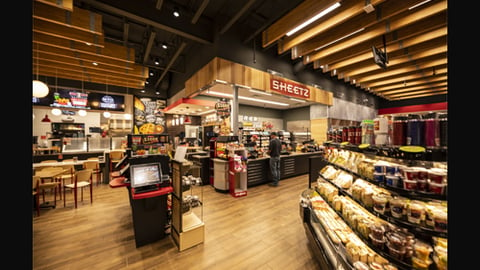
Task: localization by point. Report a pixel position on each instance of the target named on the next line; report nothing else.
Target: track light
(164, 45)
(157, 61)
(176, 13)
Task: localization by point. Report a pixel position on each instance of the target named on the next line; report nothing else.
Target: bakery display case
(188, 227)
(379, 207)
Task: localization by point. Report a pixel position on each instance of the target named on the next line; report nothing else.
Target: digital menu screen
(100, 101)
(64, 98)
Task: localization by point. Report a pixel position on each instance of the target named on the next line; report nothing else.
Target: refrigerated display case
(349, 197)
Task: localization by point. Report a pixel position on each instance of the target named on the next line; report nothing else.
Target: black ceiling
(146, 25)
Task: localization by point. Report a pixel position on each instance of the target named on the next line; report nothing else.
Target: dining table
(60, 163)
(51, 175)
(76, 163)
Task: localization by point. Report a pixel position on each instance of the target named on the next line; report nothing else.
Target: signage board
(289, 88)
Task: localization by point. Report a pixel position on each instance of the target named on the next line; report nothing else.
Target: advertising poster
(149, 116)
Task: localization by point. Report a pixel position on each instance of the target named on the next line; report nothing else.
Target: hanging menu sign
(289, 88)
(223, 108)
(64, 98)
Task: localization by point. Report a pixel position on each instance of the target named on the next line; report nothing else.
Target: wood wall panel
(231, 72)
(319, 129)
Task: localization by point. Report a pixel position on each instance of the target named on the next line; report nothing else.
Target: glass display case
(89, 144)
(71, 145)
(99, 143)
(188, 228)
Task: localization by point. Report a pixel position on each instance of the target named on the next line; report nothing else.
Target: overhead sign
(223, 108)
(289, 88)
(65, 98)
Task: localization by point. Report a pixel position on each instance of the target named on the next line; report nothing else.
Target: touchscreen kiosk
(146, 174)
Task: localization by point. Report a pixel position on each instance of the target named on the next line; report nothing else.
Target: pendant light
(106, 113)
(56, 111)
(82, 112)
(127, 116)
(39, 88)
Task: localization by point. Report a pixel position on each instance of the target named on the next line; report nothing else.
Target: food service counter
(258, 170)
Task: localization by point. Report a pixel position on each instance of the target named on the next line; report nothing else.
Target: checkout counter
(149, 209)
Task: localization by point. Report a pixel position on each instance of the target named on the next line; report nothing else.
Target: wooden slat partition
(78, 18)
(305, 10)
(319, 129)
(80, 74)
(71, 57)
(68, 33)
(63, 4)
(109, 50)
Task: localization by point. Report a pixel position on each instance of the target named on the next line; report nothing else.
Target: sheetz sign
(289, 88)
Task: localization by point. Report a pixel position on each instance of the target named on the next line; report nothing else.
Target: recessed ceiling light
(176, 13)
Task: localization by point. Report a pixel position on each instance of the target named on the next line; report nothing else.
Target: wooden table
(60, 163)
(50, 174)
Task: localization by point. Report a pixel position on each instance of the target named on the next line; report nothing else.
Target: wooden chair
(94, 165)
(36, 194)
(81, 180)
(115, 156)
(67, 176)
(54, 183)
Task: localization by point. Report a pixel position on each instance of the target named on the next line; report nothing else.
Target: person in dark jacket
(274, 149)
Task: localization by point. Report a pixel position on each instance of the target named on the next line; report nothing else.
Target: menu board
(149, 116)
(64, 98)
(100, 101)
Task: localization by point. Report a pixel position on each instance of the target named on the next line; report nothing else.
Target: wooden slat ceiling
(67, 41)
(340, 44)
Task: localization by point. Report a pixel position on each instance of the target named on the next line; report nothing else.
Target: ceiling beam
(172, 60)
(199, 11)
(236, 16)
(148, 48)
(153, 13)
(158, 4)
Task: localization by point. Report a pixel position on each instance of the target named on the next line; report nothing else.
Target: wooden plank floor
(262, 230)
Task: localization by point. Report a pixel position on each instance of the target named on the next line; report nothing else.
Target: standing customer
(274, 148)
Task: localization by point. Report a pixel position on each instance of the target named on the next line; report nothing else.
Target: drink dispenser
(380, 129)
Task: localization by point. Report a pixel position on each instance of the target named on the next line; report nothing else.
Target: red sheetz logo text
(289, 88)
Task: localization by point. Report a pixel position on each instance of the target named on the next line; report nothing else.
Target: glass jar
(399, 131)
(442, 130)
(415, 130)
(431, 130)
